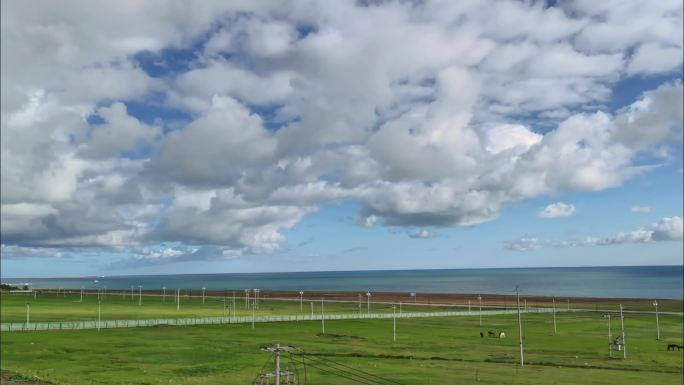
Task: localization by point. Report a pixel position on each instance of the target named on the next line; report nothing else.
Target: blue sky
(235, 137)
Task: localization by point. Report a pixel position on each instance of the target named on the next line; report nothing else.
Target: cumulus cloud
(641, 209)
(525, 243)
(425, 122)
(557, 210)
(165, 254)
(20, 252)
(653, 119)
(668, 229)
(422, 234)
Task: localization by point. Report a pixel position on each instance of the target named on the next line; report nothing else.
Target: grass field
(51, 307)
(68, 308)
(427, 351)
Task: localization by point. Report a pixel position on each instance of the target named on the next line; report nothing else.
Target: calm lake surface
(626, 282)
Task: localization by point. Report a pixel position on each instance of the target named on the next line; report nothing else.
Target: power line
(322, 366)
(348, 369)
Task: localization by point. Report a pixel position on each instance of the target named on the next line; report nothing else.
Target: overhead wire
(359, 370)
(360, 375)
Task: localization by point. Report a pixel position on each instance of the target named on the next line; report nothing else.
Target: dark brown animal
(491, 334)
(674, 346)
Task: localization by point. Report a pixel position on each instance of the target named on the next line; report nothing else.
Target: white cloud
(652, 58)
(423, 121)
(369, 221)
(641, 209)
(524, 243)
(19, 252)
(120, 132)
(668, 229)
(557, 210)
(216, 148)
(653, 119)
(422, 234)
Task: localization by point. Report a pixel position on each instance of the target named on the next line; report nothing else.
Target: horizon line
(339, 271)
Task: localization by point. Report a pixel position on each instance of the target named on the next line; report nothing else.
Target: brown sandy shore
(462, 299)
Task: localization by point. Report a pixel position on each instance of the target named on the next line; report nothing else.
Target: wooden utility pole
(655, 303)
(554, 315)
(479, 298)
(622, 331)
(394, 322)
(322, 318)
(610, 338)
(520, 336)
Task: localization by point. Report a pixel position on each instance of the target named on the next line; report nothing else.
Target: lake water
(626, 282)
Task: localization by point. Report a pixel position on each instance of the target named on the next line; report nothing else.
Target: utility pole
(520, 337)
(311, 303)
(256, 298)
(178, 299)
(99, 305)
(368, 294)
(278, 373)
(164, 295)
(610, 338)
(139, 295)
(554, 316)
(132, 292)
(28, 314)
(246, 298)
(301, 301)
(81, 300)
(359, 303)
(394, 323)
(622, 331)
(400, 307)
(322, 317)
(234, 304)
(468, 306)
(204, 289)
(655, 303)
(253, 314)
(479, 299)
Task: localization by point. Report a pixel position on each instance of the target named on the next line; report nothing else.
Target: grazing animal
(491, 334)
(481, 335)
(674, 346)
(502, 334)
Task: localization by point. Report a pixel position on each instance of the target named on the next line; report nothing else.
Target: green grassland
(52, 307)
(445, 350)
(68, 308)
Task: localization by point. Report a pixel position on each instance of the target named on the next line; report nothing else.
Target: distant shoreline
(647, 282)
(462, 299)
(3, 279)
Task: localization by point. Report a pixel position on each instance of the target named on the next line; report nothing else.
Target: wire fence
(108, 324)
